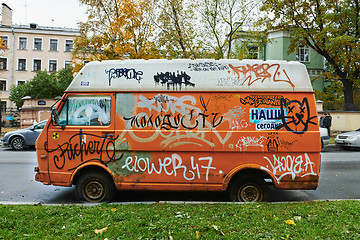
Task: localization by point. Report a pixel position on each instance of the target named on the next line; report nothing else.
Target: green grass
(312, 220)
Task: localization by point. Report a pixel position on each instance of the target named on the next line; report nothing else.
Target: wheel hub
(94, 190)
(250, 194)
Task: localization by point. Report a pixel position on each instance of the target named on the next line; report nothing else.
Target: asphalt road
(339, 179)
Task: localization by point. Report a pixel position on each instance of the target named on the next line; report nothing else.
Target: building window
(22, 43)
(69, 45)
(67, 64)
(3, 106)
(37, 65)
(53, 44)
(52, 65)
(2, 85)
(303, 55)
(22, 65)
(3, 63)
(253, 52)
(21, 82)
(5, 40)
(37, 44)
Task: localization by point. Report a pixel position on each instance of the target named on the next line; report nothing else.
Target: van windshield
(86, 111)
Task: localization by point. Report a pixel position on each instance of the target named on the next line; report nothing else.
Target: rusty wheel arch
(88, 168)
(246, 171)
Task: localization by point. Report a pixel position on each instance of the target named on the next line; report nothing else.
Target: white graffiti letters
(245, 142)
(290, 165)
(171, 166)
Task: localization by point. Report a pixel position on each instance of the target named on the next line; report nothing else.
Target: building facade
(29, 48)
(276, 47)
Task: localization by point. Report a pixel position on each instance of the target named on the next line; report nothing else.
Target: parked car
(348, 139)
(23, 138)
(325, 139)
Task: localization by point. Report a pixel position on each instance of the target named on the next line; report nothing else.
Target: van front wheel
(94, 187)
(249, 188)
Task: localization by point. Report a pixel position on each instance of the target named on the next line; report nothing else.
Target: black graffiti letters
(99, 148)
(169, 121)
(257, 100)
(128, 73)
(174, 80)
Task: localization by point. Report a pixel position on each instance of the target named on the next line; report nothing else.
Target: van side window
(86, 111)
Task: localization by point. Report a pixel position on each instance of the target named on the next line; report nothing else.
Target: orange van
(183, 125)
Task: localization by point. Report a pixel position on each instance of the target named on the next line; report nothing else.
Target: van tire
(94, 186)
(248, 188)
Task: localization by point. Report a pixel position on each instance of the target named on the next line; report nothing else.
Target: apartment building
(29, 48)
(276, 47)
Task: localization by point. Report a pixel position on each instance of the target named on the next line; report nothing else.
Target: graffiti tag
(256, 100)
(101, 148)
(171, 166)
(174, 80)
(207, 66)
(173, 113)
(127, 73)
(281, 166)
(235, 116)
(245, 142)
(256, 72)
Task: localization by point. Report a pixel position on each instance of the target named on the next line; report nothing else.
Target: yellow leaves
(100, 231)
(123, 31)
(113, 209)
(287, 236)
(197, 235)
(290, 222)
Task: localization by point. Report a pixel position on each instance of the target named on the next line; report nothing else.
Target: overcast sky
(50, 13)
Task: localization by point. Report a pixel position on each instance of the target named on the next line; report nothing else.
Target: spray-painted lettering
(207, 66)
(256, 72)
(281, 166)
(173, 113)
(127, 73)
(78, 146)
(256, 100)
(175, 80)
(171, 166)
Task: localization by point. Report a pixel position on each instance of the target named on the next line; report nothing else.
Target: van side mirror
(55, 116)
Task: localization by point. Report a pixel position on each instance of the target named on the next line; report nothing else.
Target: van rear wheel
(94, 186)
(249, 188)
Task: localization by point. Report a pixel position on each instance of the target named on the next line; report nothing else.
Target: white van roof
(191, 75)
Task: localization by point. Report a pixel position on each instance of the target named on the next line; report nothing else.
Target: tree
(221, 20)
(115, 29)
(330, 27)
(2, 45)
(178, 32)
(43, 85)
